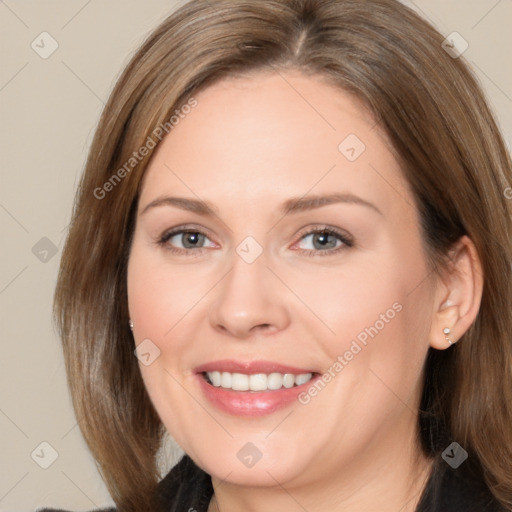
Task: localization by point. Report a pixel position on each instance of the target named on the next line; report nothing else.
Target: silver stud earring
(130, 323)
(446, 332)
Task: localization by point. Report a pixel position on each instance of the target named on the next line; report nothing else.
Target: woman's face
(306, 262)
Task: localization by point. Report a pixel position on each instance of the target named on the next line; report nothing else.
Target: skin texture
(251, 144)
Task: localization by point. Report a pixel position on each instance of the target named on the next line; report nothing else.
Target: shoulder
(457, 490)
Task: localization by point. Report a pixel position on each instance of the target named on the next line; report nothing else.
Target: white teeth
(257, 381)
(288, 380)
(302, 378)
(216, 378)
(239, 382)
(275, 381)
(225, 380)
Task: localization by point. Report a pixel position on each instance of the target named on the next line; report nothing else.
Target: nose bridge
(248, 297)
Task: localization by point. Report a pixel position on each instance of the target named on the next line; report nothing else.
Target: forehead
(274, 135)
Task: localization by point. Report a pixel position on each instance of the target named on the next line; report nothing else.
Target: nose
(249, 300)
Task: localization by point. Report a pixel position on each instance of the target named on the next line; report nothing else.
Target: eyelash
(347, 241)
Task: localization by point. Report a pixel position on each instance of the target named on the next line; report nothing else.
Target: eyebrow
(293, 205)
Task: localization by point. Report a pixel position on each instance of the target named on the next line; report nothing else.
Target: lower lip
(251, 403)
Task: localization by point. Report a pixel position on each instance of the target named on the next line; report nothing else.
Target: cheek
(159, 297)
(155, 308)
(365, 299)
(158, 300)
(379, 313)
(151, 299)
(376, 356)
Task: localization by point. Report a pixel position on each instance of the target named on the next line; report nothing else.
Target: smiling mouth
(257, 381)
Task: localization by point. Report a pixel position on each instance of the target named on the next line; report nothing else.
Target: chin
(259, 463)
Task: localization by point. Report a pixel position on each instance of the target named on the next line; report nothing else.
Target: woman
(295, 215)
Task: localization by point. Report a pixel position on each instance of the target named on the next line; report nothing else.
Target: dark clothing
(188, 488)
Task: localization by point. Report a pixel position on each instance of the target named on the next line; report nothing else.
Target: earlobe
(444, 330)
(447, 331)
(458, 295)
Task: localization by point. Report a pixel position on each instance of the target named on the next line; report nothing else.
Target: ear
(458, 295)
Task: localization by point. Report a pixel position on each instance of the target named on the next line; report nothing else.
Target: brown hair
(451, 152)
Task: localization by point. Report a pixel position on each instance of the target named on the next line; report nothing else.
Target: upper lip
(249, 367)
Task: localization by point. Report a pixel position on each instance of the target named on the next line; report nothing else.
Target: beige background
(49, 109)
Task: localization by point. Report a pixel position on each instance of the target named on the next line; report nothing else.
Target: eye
(315, 242)
(181, 240)
(324, 240)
